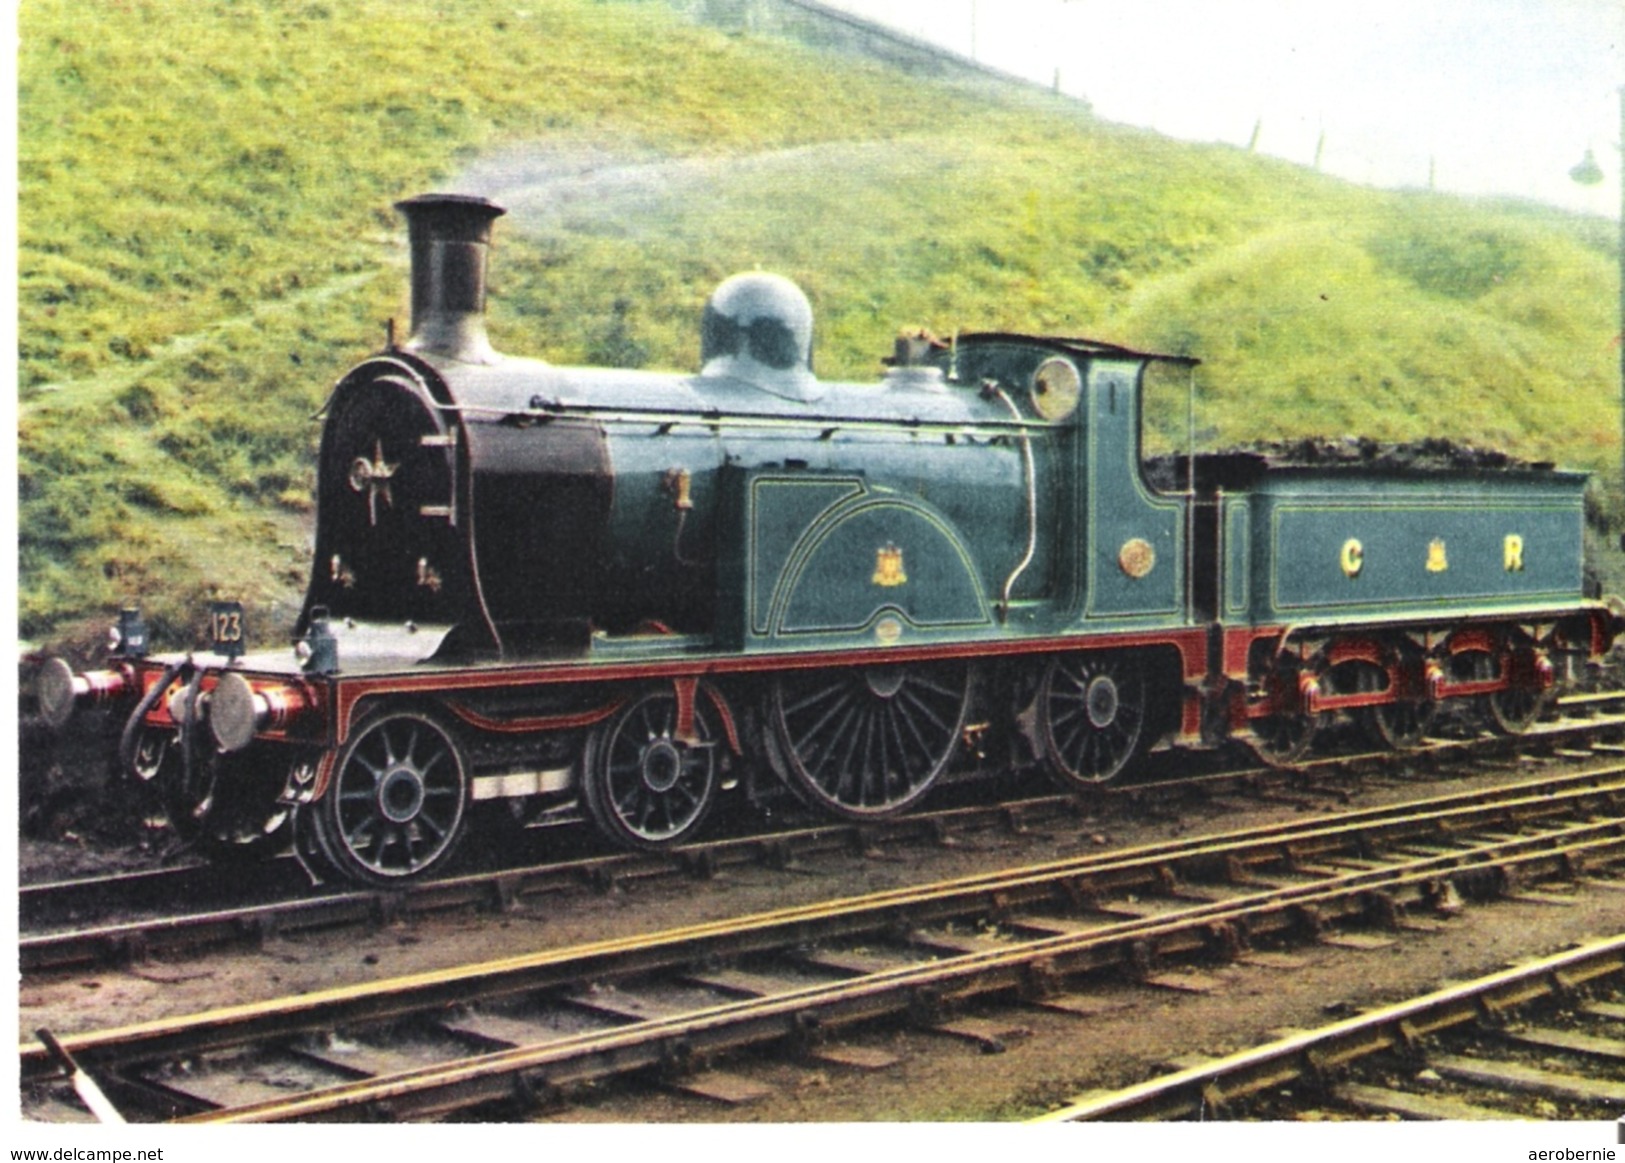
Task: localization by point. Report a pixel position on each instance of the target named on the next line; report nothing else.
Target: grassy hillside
(206, 242)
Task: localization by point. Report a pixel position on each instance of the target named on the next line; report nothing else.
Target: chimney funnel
(451, 238)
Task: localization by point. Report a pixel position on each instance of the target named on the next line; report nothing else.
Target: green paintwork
(1121, 508)
(1307, 526)
(793, 501)
(1237, 558)
(733, 519)
(835, 578)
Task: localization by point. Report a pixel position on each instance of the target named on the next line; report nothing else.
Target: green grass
(206, 242)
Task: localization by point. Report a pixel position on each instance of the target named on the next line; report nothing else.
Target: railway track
(1533, 1041)
(526, 1028)
(122, 918)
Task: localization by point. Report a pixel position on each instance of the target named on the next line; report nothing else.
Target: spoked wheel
(1283, 740)
(1507, 712)
(868, 741)
(398, 799)
(1401, 726)
(644, 786)
(1091, 716)
(1514, 711)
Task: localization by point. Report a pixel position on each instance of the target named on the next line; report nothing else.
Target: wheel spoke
(842, 780)
(922, 747)
(835, 688)
(835, 738)
(936, 720)
(917, 680)
(866, 772)
(643, 785)
(1091, 717)
(811, 733)
(868, 742)
(398, 801)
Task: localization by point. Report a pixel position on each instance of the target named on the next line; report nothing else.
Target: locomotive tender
(633, 591)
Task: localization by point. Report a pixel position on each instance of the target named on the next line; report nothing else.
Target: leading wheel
(1091, 716)
(398, 800)
(644, 786)
(869, 741)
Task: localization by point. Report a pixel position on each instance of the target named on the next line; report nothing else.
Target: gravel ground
(931, 1081)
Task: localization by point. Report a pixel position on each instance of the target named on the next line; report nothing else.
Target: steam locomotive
(633, 592)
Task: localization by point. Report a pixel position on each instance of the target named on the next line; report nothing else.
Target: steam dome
(758, 328)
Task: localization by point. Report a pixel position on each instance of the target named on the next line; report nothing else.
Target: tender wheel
(1091, 716)
(1514, 711)
(1506, 712)
(643, 785)
(398, 800)
(868, 741)
(1283, 740)
(1400, 726)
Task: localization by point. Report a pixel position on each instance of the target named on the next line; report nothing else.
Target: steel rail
(39, 904)
(733, 1025)
(501, 889)
(1203, 1089)
(505, 889)
(127, 940)
(987, 893)
(1362, 763)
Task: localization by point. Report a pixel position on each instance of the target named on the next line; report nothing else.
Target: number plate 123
(226, 629)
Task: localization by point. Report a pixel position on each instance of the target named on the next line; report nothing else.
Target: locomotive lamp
(318, 650)
(128, 636)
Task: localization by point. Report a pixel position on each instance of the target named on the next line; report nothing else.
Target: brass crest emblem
(1137, 557)
(1513, 557)
(1437, 561)
(889, 566)
(372, 477)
